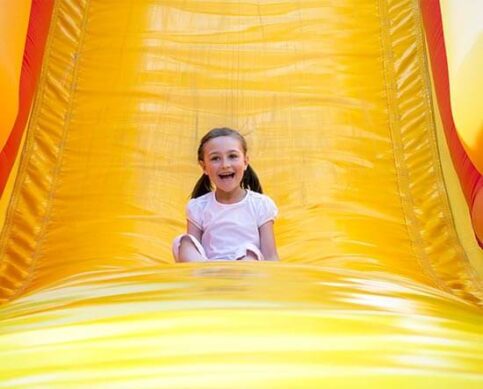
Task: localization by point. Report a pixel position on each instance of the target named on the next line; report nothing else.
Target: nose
(226, 162)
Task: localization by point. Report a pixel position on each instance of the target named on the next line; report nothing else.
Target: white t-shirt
(228, 228)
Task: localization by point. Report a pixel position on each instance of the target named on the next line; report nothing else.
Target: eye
(214, 158)
(233, 156)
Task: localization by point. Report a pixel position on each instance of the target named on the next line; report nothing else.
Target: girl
(235, 221)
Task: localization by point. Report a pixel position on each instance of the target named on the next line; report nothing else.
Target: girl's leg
(188, 252)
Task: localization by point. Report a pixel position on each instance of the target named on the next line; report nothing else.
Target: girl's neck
(230, 197)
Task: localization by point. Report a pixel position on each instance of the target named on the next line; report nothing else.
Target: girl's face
(224, 162)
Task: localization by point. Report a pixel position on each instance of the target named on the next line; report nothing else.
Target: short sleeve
(193, 213)
(267, 211)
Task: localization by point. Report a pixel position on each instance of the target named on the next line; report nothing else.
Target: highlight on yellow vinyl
(14, 18)
(463, 34)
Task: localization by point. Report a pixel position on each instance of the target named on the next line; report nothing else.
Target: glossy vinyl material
(374, 288)
(34, 42)
(14, 17)
(470, 178)
(463, 33)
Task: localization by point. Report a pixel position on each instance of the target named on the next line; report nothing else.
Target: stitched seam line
(412, 224)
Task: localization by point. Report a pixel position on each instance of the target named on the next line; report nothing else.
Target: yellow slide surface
(377, 285)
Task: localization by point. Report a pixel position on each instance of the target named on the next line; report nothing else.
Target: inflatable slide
(363, 120)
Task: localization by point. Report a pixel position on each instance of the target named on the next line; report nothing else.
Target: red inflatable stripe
(39, 22)
(471, 180)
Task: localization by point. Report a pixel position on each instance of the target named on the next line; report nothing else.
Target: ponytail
(203, 186)
(250, 180)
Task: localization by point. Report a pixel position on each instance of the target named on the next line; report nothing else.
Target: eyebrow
(229, 151)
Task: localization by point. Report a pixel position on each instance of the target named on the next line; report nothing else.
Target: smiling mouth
(226, 176)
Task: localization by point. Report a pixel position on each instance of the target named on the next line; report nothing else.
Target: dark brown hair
(250, 179)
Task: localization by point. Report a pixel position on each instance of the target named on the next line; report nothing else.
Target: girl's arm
(195, 231)
(267, 242)
(187, 251)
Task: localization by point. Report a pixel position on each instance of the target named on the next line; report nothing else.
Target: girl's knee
(186, 241)
(189, 250)
(251, 255)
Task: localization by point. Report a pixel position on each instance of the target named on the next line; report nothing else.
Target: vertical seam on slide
(57, 166)
(26, 153)
(448, 216)
(412, 224)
